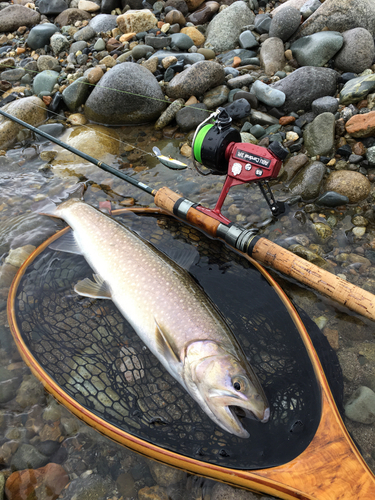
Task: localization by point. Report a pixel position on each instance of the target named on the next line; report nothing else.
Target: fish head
(231, 390)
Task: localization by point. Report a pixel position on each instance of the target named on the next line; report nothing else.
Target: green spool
(197, 148)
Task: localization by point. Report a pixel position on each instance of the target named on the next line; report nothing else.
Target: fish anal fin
(66, 243)
(166, 345)
(97, 289)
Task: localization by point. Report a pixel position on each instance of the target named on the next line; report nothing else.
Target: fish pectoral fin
(97, 289)
(66, 243)
(166, 346)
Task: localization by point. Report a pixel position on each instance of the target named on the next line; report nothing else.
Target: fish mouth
(243, 413)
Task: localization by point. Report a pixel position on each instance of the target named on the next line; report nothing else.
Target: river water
(25, 178)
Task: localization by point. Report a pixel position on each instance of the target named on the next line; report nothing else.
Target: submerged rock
(113, 101)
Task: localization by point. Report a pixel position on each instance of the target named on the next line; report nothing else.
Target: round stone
(40, 35)
(317, 49)
(284, 23)
(355, 186)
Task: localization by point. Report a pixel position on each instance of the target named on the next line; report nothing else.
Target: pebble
(361, 125)
(247, 40)
(195, 80)
(189, 117)
(361, 406)
(169, 114)
(268, 95)
(308, 180)
(84, 34)
(40, 35)
(319, 135)
(355, 186)
(332, 199)
(238, 109)
(204, 13)
(76, 94)
(284, 23)
(262, 23)
(59, 43)
(195, 35)
(182, 41)
(272, 56)
(240, 81)
(317, 49)
(305, 85)
(135, 21)
(224, 30)
(216, 96)
(45, 81)
(325, 104)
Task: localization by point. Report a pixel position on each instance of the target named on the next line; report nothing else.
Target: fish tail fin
(50, 206)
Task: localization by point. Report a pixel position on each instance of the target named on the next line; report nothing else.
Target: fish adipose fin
(66, 243)
(96, 290)
(165, 346)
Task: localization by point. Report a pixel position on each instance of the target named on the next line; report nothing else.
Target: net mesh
(88, 348)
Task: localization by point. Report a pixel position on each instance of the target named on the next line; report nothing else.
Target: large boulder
(340, 15)
(305, 85)
(224, 30)
(14, 16)
(128, 93)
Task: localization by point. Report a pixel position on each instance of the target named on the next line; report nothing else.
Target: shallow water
(25, 179)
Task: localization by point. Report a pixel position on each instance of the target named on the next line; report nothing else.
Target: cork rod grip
(326, 283)
(166, 199)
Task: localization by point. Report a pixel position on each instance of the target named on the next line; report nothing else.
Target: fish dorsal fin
(166, 345)
(66, 243)
(97, 289)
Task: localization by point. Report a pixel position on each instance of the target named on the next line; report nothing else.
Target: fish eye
(237, 386)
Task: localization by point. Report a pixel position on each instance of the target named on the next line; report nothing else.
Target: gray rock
(45, 81)
(272, 55)
(325, 104)
(309, 8)
(361, 406)
(118, 108)
(93, 487)
(240, 81)
(99, 44)
(357, 88)
(59, 43)
(28, 457)
(216, 96)
(103, 23)
(317, 49)
(140, 51)
(285, 23)
(308, 180)
(259, 118)
(358, 51)
(181, 41)
(268, 95)
(40, 35)
(238, 109)
(186, 57)
(158, 42)
(84, 34)
(332, 199)
(262, 23)
(169, 114)
(241, 94)
(51, 7)
(9, 383)
(71, 16)
(76, 93)
(340, 15)
(370, 155)
(224, 30)
(296, 4)
(196, 80)
(305, 85)
(231, 71)
(82, 59)
(319, 135)
(228, 57)
(257, 131)
(13, 75)
(248, 40)
(14, 16)
(76, 46)
(189, 117)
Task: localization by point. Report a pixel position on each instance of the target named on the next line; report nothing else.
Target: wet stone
(357, 89)
(307, 182)
(238, 109)
(332, 199)
(169, 114)
(228, 58)
(216, 96)
(347, 183)
(27, 457)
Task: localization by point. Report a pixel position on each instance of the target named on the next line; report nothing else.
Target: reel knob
(277, 150)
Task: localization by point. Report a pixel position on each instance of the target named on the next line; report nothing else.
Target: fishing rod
(219, 146)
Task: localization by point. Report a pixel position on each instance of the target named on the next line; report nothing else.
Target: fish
(169, 311)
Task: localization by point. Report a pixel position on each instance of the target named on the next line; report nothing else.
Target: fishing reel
(218, 147)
